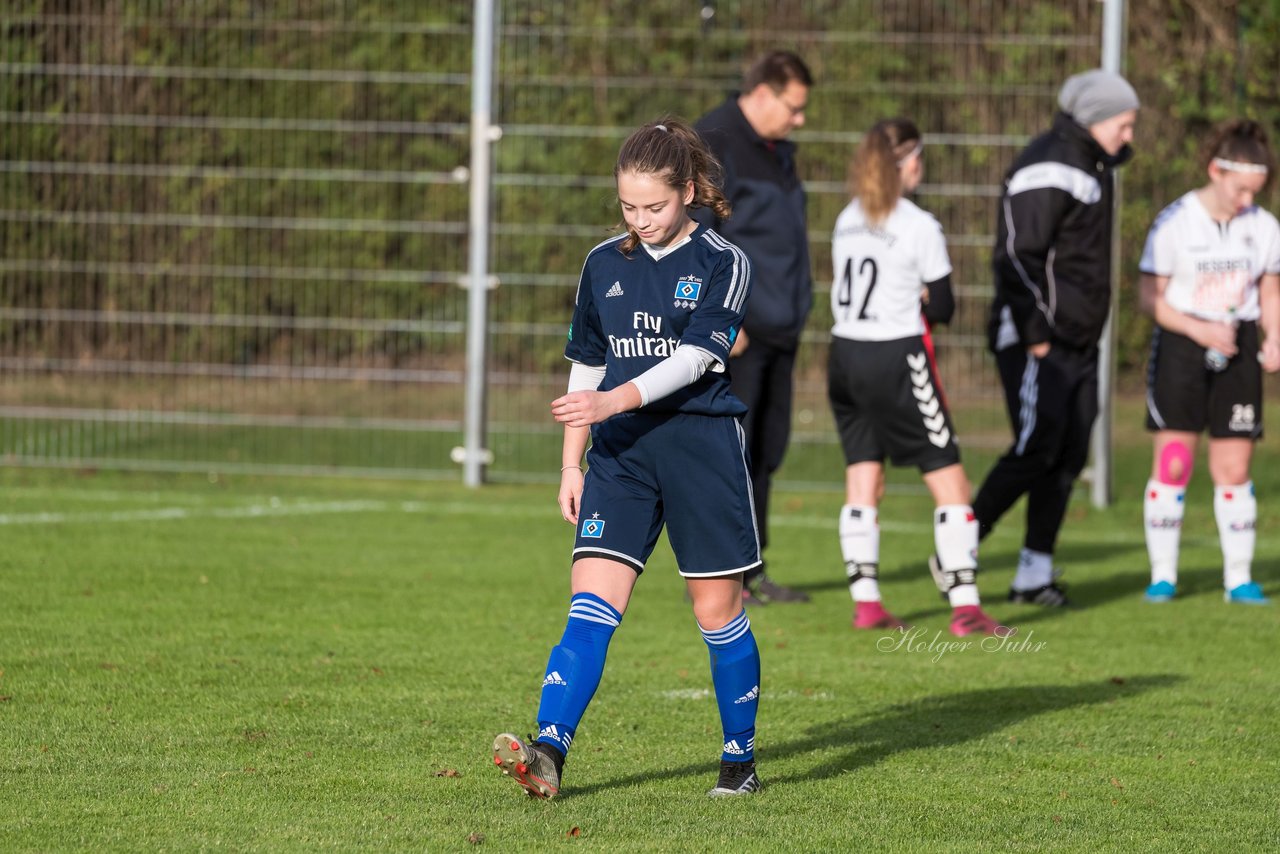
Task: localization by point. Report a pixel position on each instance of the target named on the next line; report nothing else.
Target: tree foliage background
(1193, 62)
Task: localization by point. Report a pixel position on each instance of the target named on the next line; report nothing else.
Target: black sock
(557, 758)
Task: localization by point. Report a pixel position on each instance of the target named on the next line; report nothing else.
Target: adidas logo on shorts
(615, 291)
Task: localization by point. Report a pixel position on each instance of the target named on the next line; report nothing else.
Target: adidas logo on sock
(550, 733)
(731, 747)
(753, 694)
(615, 291)
(554, 678)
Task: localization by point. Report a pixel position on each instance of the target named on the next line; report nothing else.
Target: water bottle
(1216, 360)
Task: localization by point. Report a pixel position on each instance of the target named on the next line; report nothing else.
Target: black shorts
(888, 403)
(1182, 394)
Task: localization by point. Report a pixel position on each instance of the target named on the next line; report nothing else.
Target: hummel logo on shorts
(615, 291)
(554, 678)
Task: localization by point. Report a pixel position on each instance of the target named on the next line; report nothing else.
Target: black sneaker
(766, 589)
(534, 766)
(736, 778)
(1052, 595)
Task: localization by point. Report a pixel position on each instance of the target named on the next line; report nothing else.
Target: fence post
(1113, 38)
(475, 456)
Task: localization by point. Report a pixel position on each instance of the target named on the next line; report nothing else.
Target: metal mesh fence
(231, 233)
(574, 78)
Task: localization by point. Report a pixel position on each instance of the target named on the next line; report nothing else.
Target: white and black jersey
(881, 379)
(880, 271)
(1213, 267)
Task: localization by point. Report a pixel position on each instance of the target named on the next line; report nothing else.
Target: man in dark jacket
(1052, 266)
(748, 134)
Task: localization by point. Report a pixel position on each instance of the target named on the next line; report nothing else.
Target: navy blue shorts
(687, 471)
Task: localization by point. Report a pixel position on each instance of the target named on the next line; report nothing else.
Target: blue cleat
(1246, 594)
(1160, 591)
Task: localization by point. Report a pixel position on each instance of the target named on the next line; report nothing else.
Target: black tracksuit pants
(1052, 405)
(762, 379)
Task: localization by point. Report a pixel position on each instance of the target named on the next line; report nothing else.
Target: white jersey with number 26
(1213, 267)
(880, 271)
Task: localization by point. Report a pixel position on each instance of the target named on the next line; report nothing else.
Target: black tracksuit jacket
(1052, 258)
(767, 223)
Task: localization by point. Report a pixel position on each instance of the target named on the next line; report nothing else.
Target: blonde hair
(874, 177)
(670, 149)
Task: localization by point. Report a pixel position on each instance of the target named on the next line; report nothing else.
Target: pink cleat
(872, 615)
(972, 620)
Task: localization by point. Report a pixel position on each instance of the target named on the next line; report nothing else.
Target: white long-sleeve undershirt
(682, 368)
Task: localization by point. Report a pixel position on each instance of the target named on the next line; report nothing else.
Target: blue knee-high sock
(574, 669)
(735, 672)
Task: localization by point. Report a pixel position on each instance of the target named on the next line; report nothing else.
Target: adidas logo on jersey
(553, 678)
(615, 291)
(753, 694)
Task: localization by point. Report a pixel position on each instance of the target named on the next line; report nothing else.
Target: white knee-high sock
(860, 547)
(1236, 510)
(955, 539)
(1162, 511)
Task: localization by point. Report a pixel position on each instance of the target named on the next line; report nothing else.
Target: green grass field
(287, 664)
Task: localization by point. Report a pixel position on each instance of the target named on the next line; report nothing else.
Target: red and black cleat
(529, 764)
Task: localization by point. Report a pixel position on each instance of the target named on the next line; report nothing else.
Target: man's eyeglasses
(795, 111)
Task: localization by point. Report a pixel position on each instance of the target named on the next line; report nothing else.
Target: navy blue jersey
(632, 312)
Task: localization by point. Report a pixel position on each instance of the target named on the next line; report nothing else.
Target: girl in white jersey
(1211, 280)
(892, 279)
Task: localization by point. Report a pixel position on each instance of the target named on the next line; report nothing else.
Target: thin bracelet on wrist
(562, 468)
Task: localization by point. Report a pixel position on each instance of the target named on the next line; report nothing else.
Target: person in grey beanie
(1052, 265)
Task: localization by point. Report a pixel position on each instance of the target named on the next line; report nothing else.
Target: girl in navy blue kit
(656, 314)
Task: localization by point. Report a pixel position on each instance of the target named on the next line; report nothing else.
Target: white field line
(276, 507)
(170, 514)
(706, 693)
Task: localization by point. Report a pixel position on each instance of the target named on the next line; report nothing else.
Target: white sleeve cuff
(585, 377)
(682, 368)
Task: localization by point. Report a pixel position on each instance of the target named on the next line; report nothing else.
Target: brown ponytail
(874, 179)
(672, 150)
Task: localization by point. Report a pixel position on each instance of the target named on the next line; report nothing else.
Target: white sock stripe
(1028, 394)
(587, 612)
(586, 609)
(593, 619)
(602, 608)
(736, 628)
